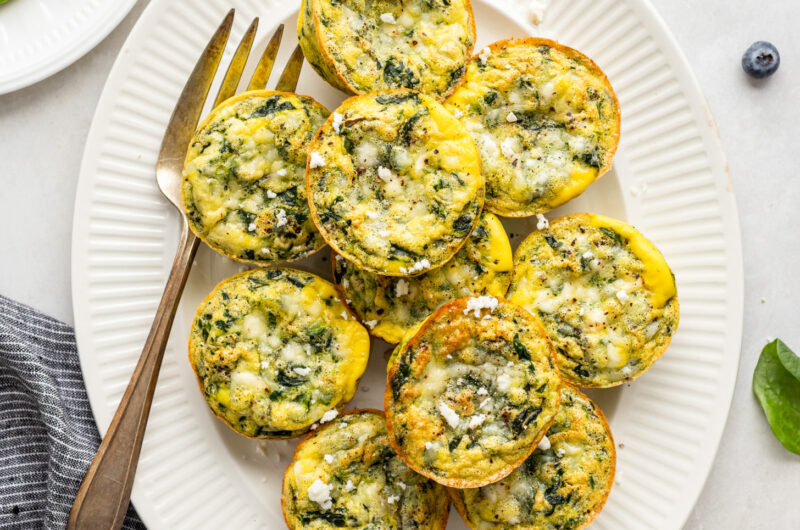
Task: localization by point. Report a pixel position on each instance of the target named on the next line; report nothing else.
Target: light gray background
(754, 483)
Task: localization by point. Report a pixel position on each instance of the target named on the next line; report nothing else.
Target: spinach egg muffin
(563, 484)
(471, 392)
(275, 351)
(604, 293)
(545, 119)
(391, 306)
(345, 474)
(394, 183)
(243, 181)
(362, 47)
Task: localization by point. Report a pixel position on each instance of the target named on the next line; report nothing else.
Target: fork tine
(291, 73)
(264, 68)
(235, 69)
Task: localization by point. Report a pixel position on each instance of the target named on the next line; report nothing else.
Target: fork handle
(104, 495)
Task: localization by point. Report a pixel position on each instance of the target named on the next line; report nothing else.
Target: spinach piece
(388, 99)
(776, 385)
(553, 242)
(462, 224)
(286, 379)
(524, 418)
(395, 73)
(400, 377)
(612, 234)
(407, 128)
(591, 159)
(271, 106)
(520, 348)
(336, 517)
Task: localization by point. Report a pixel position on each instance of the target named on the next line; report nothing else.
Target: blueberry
(761, 59)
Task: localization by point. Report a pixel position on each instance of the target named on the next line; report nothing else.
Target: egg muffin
(243, 181)
(604, 293)
(275, 351)
(545, 119)
(563, 484)
(394, 183)
(471, 392)
(345, 474)
(391, 306)
(361, 47)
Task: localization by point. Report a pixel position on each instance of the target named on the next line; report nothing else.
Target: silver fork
(104, 495)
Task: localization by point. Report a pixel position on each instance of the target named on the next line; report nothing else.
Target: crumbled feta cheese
(271, 194)
(482, 391)
(541, 222)
(481, 302)
(281, 218)
(384, 173)
(402, 485)
(581, 311)
(401, 288)
(371, 323)
(418, 266)
(371, 214)
(328, 458)
(560, 452)
(299, 370)
(587, 255)
(264, 365)
(337, 122)
(428, 445)
(320, 493)
(338, 258)
(384, 233)
(544, 444)
(476, 421)
(448, 414)
(507, 148)
(265, 250)
(484, 403)
(345, 281)
(316, 160)
(503, 382)
(345, 315)
(638, 190)
(329, 416)
(537, 10)
(388, 18)
(511, 117)
(484, 55)
(393, 499)
(251, 227)
(349, 486)
(622, 296)
(457, 113)
(281, 172)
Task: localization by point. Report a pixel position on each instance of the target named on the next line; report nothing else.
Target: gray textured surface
(754, 482)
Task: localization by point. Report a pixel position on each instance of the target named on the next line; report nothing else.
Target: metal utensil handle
(104, 495)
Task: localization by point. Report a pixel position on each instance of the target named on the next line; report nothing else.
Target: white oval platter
(669, 180)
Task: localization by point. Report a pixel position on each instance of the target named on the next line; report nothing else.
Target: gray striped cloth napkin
(47, 433)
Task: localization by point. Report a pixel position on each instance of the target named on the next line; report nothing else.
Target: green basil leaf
(777, 390)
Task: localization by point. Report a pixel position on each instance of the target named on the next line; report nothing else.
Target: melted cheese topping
(562, 486)
(545, 119)
(468, 397)
(391, 306)
(243, 189)
(362, 47)
(604, 293)
(368, 485)
(399, 189)
(274, 350)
